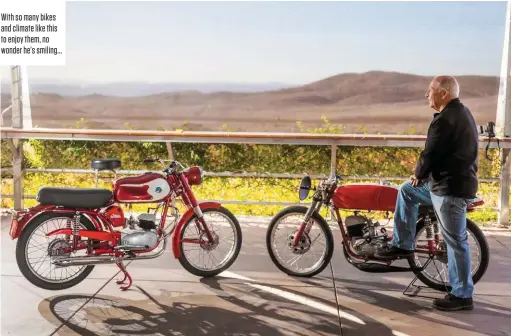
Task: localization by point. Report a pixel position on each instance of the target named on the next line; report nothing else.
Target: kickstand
(415, 291)
(121, 266)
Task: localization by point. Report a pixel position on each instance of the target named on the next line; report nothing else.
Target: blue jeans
(451, 215)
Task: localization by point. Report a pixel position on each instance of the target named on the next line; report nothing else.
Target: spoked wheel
(435, 275)
(317, 245)
(209, 260)
(35, 253)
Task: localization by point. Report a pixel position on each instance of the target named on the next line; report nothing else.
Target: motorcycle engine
(364, 234)
(141, 238)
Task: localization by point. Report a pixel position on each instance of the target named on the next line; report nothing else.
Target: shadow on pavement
(352, 320)
(234, 311)
(105, 315)
(370, 292)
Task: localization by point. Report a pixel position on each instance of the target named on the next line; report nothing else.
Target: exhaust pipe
(83, 261)
(86, 261)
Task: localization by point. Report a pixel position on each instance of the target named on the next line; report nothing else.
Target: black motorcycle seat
(74, 197)
(106, 164)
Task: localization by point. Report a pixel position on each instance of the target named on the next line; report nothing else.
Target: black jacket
(450, 158)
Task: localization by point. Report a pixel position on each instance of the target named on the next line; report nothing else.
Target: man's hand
(414, 181)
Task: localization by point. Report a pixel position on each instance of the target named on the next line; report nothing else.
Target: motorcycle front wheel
(215, 219)
(295, 215)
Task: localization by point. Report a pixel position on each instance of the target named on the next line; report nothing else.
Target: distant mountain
(387, 102)
(131, 89)
(377, 87)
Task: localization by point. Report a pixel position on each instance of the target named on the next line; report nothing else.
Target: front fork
(305, 226)
(200, 216)
(190, 199)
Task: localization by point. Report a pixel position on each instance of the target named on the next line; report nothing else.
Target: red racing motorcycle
(309, 234)
(79, 228)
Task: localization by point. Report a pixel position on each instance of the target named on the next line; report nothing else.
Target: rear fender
(20, 219)
(474, 203)
(184, 219)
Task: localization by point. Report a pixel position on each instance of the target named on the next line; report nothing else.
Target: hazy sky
(291, 42)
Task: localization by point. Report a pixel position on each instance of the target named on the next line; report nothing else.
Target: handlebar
(336, 178)
(173, 164)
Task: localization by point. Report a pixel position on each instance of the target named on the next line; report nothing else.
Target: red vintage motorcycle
(361, 235)
(93, 224)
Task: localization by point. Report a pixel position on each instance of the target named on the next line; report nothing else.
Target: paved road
(252, 298)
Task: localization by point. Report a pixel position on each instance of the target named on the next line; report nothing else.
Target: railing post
(16, 144)
(333, 160)
(333, 171)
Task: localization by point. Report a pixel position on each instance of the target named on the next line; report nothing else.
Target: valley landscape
(381, 102)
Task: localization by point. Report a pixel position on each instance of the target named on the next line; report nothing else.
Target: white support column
(503, 122)
(17, 148)
(16, 97)
(504, 188)
(25, 98)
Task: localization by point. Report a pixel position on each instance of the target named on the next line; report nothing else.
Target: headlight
(194, 175)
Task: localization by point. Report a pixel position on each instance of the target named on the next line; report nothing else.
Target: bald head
(441, 91)
(449, 84)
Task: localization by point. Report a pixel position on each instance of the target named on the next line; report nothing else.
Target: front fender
(184, 219)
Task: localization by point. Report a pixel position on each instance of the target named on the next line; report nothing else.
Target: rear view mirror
(305, 187)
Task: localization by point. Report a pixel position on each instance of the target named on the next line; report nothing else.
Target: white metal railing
(377, 140)
(333, 140)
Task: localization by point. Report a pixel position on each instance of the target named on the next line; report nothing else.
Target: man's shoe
(452, 303)
(392, 252)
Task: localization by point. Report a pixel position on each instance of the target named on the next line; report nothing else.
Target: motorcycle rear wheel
(441, 285)
(22, 257)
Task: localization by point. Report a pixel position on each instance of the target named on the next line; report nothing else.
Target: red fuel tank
(147, 188)
(365, 196)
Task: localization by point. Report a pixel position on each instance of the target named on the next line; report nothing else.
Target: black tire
(324, 227)
(237, 248)
(485, 257)
(21, 257)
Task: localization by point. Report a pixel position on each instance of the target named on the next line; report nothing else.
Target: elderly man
(445, 177)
